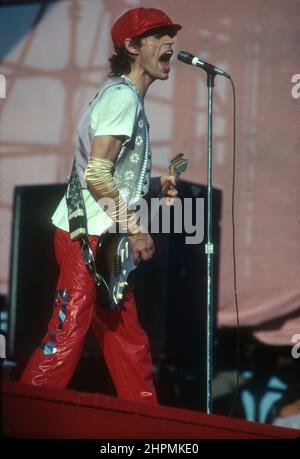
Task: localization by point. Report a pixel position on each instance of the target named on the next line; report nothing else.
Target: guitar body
(114, 264)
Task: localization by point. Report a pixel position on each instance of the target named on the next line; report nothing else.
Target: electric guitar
(115, 254)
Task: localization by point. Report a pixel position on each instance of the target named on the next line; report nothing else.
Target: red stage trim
(30, 412)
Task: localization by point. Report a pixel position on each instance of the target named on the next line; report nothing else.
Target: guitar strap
(78, 223)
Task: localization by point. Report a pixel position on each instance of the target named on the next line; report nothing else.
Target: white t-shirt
(116, 111)
(114, 114)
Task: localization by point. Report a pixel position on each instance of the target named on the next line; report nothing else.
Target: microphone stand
(211, 71)
(209, 247)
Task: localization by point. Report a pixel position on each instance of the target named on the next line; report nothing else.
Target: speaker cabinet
(33, 269)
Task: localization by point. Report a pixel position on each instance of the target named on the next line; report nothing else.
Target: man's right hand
(142, 246)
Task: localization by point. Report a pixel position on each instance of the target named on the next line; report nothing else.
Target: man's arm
(105, 149)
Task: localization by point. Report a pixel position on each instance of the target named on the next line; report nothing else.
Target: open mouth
(166, 56)
(164, 60)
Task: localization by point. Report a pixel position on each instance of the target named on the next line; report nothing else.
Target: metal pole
(209, 249)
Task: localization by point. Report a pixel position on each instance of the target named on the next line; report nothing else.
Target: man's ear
(131, 48)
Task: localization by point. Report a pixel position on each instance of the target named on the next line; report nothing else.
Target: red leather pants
(124, 344)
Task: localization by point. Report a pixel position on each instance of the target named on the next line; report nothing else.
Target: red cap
(138, 21)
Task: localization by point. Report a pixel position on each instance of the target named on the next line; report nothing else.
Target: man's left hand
(168, 182)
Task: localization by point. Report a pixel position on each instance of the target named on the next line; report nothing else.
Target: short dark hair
(120, 62)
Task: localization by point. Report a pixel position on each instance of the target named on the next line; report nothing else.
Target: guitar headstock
(177, 165)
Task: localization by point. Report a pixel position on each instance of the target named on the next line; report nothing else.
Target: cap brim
(174, 27)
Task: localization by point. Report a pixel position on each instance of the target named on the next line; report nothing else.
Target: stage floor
(29, 412)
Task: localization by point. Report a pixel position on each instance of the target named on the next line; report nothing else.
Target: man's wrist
(135, 228)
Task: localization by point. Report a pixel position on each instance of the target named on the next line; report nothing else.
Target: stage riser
(30, 412)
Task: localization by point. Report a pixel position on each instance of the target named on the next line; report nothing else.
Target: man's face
(156, 52)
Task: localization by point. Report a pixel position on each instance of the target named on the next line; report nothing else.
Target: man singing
(112, 160)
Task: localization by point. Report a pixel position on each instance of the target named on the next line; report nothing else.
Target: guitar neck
(177, 165)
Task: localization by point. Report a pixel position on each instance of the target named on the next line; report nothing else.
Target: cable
(234, 255)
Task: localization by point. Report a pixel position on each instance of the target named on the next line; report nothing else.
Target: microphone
(188, 58)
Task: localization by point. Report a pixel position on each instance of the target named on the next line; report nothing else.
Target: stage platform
(29, 412)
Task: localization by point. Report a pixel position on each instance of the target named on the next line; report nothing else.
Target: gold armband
(101, 182)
